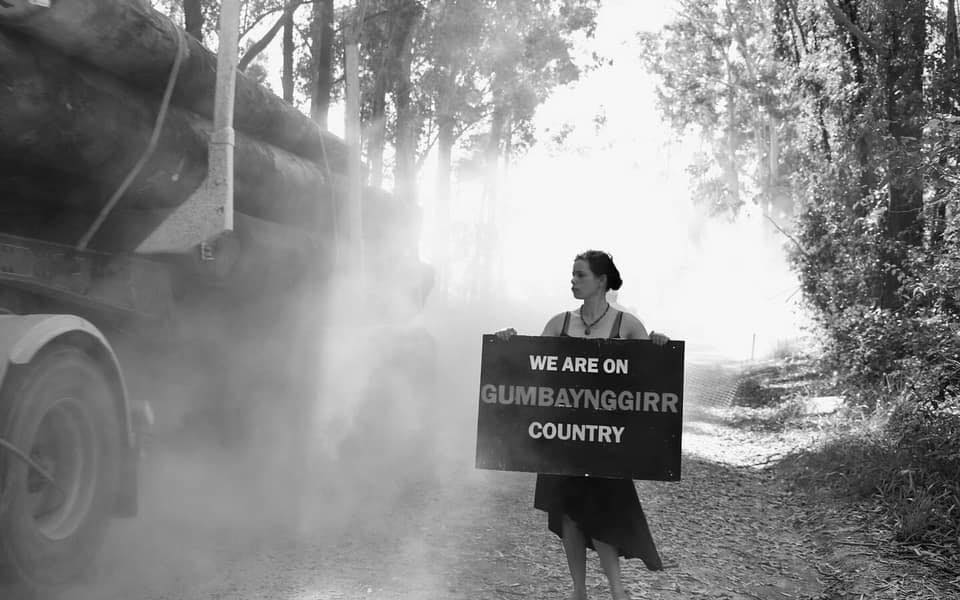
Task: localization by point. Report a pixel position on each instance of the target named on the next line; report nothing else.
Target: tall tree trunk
(486, 247)
(441, 250)
(387, 75)
(377, 137)
(730, 163)
(446, 136)
(501, 78)
(322, 48)
(905, 33)
(822, 124)
(950, 87)
(407, 125)
(382, 66)
(287, 77)
(865, 176)
(773, 162)
(492, 158)
(861, 193)
(762, 146)
(193, 18)
(951, 49)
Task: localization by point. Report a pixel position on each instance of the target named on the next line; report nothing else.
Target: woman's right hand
(506, 334)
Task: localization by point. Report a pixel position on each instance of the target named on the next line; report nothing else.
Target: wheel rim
(64, 446)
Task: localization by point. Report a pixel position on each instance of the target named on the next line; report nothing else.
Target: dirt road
(214, 527)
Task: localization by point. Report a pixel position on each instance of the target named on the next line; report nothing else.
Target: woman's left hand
(658, 338)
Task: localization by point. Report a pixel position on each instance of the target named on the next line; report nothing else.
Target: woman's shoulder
(632, 327)
(555, 325)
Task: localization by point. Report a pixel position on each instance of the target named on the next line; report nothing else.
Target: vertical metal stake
(222, 139)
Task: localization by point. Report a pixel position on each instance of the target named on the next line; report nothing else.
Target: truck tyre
(61, 411)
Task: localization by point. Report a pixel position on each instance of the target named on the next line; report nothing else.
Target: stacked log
(81, 85)
(138, 45)
(56, 113)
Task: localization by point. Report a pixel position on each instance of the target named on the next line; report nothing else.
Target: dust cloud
(289, 421)
(245, 461)
(317, 419)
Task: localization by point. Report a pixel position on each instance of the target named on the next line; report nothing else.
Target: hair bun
(601, 263)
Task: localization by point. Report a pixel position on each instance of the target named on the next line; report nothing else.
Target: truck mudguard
(23, 336)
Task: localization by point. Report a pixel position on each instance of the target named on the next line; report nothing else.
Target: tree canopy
(432, 71)
(840, 119)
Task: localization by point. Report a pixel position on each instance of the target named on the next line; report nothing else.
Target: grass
(771, 418)
(900, 461)
(918, 498)
(772, 396)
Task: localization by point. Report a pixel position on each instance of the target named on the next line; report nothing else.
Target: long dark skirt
(607, 510)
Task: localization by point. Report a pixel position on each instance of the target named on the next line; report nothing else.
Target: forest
(840, 120)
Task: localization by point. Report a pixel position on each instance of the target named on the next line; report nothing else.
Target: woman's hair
(601, 263)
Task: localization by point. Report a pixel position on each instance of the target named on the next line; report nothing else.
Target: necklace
(589, 325)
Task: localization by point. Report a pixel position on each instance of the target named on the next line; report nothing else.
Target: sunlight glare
(616, 182)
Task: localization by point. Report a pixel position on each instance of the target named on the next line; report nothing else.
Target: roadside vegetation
(890, 459)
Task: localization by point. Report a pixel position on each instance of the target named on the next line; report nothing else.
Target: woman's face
(584, 283)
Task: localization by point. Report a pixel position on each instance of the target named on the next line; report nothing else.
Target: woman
(592, 512)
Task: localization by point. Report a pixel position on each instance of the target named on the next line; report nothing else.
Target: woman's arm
(553, 328)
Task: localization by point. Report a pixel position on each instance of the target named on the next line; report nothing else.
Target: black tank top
(614, 331)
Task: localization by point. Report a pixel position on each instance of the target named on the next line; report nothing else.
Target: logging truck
(144, 245)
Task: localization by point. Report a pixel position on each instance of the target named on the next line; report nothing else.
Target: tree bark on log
(59, 115)
(137, 44)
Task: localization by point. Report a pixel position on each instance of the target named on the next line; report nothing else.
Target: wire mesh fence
(711, 383)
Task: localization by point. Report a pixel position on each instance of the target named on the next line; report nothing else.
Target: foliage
(506, 55)
(851, 109)
(829, 84)
(720, 79)
(468, 60)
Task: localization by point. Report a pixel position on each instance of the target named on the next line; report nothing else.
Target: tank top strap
(615, 330)
(566, 323)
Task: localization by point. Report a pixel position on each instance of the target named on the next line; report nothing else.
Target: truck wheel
(60, 410)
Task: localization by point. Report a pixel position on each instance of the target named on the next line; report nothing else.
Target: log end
(16, 10)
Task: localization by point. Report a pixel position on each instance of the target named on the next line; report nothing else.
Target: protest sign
(576, 406)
